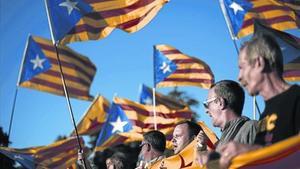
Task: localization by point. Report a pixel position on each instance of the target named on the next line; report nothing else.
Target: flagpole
(66, 92)
(12, 113)
(153, 93)
(154, 108)
(16, 92)
(80, 152)
(234, 38)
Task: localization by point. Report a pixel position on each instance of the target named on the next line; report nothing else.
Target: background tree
(5, 162)
(183, 98)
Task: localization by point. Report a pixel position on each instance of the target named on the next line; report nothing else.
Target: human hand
(231, 150)
(201, 141)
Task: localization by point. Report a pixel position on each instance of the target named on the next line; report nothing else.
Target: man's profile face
(248, 74)
(109, 164)
(180, 137)
(212, 108)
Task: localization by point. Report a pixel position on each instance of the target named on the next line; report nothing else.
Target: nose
(240, 76)
(173, 140)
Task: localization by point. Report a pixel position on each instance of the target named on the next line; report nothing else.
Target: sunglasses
(206, 103)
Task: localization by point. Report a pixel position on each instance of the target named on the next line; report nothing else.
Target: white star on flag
(236, 7)
(148, 100)
(165, 67)
(69, 5)
(118, 125)
(37, 62)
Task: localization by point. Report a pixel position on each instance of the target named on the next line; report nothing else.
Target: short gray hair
(232, 93)
(265, 46)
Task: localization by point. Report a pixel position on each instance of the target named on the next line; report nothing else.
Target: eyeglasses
(206, 103)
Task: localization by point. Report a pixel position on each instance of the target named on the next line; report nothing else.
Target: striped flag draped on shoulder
(173, 68)
(96, 19)
(40, 70)
(94, 117)
(278, 14)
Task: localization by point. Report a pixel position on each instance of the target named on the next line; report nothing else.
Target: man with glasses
(152, 149)
(224, 105)
(261, 73)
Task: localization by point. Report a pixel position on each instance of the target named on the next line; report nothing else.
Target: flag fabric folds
(94, 117)
(40, 70)
(186, 158)
(173, 68)
(290, 47)
(140, 119)
(58, 155)
(25, 160)
(146, 97)
(117, 122)
(284, 154)
(278, 14)
(81, 20)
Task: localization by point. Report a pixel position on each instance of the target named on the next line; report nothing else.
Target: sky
(124, 61)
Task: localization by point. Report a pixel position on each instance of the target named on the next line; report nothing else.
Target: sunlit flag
(290, 47)
(25, 160)
(173, 68)
(81, 20)
(134, 119)
(278, 14)
(186, 157)
(146, 97)
(283, 154)
(40, 70)
(94, 117)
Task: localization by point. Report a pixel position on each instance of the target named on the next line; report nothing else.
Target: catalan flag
(94, 117)
(79, 20)
(283, 154)
(59, 155)
(278, 14)
(173, 68)
(186, 157)
(25, 160)
(40, 70)
(140, 119)
(290, 48)
(146, 98)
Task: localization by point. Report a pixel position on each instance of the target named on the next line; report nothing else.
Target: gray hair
(232, 93)
(265, 46)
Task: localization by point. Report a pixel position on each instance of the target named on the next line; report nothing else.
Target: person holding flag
(261, 68)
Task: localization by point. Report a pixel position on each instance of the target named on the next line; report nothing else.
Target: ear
(260, 64)
(148, 147)
(222, 103)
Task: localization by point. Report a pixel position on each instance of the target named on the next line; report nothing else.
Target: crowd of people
(260, 73)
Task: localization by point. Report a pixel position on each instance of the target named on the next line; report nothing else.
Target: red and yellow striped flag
(141, 118)
(40, 70)
(127, 15)
(94, 117)
(173, 68)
